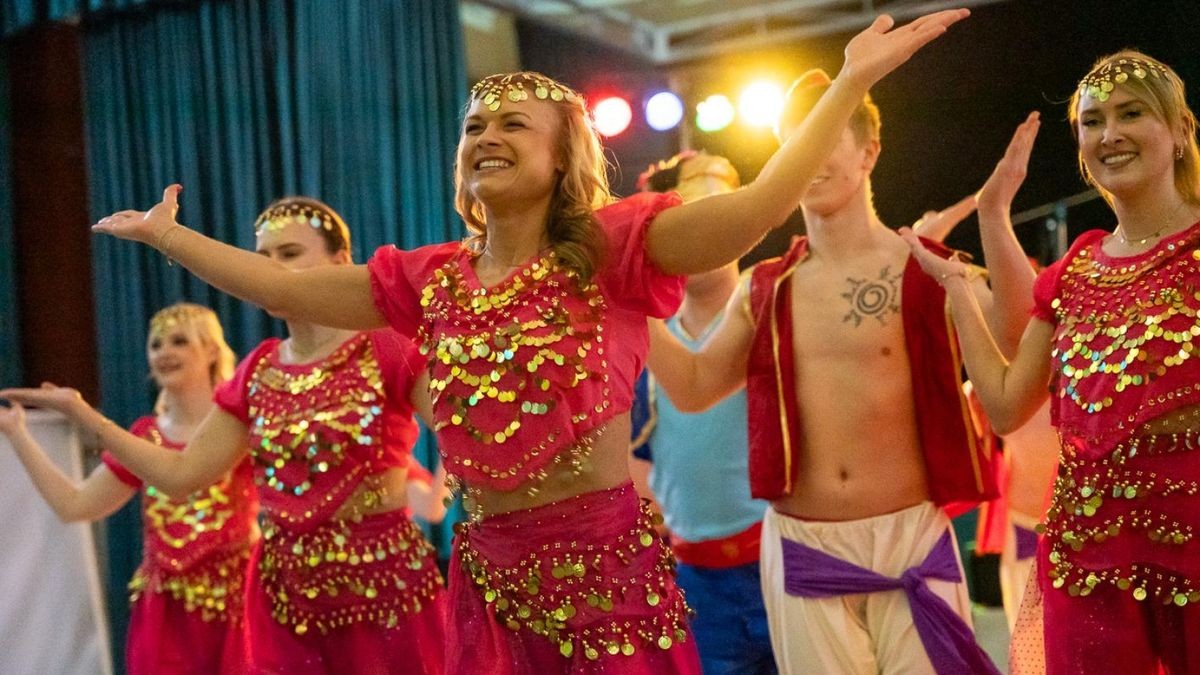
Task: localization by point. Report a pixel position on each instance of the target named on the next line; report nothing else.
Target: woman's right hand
(12, 419)
(881, 48)
(51, 396)
(147, 227)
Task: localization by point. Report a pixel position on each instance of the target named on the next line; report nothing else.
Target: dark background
(947, 114)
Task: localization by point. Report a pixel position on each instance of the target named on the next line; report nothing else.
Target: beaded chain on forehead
(493, 90)
(167, 319)
(279, 217)
(1099, 83)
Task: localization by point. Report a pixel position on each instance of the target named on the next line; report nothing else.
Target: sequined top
(318, 429)
(1126, 505)
(1123, 338)
(522, 371)
(208, 534)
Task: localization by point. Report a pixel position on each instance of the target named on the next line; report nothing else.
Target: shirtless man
(859, 434)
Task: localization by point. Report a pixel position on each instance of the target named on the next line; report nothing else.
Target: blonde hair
(201, 326)
(865, 122)
(575, 235)
(1163, 92)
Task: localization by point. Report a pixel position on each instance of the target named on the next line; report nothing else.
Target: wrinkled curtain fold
(355, 102)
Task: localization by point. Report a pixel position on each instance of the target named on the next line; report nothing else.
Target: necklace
(1142, 241)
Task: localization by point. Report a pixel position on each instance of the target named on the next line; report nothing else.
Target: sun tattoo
(873, 297)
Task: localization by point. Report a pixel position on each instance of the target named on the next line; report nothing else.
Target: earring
(1179, 152)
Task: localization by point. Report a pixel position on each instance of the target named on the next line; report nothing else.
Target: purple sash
(950, 644)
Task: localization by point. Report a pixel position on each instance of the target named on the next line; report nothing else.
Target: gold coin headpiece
(279, 217)
(1100, 82)
(168, 318)
(493, 90)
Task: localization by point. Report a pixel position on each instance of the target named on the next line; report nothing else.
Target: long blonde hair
(202, 327)
(1163, 92)
(575, 235)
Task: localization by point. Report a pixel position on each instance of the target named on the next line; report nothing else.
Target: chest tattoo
(879, 297)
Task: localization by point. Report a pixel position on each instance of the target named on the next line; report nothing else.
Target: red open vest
(958, 470)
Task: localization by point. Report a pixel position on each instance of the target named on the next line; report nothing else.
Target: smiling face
(179, 358)
(1124, 146)
(843, 175)
(509, 155)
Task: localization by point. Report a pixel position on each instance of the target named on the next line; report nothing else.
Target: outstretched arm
(211, 453)
(99, 495)
(333, 295)
(710, 232)
(1010, 391)
(695, 381)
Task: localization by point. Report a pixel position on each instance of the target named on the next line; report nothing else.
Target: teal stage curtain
(10, 337)
(355, 102)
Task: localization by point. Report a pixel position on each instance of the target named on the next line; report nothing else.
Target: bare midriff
(860, 453)
(381, 492)
(605, 466)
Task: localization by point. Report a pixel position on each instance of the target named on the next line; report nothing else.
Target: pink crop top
(521, 372)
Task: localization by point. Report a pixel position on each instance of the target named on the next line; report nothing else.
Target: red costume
(357, 594)
(959, 472)
(1119, 565)
(187, 610)
(522, 375)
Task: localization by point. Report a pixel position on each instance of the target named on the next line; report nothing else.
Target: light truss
(671, 31)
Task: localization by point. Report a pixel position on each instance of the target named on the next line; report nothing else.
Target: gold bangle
(165, 239)
(966, 272)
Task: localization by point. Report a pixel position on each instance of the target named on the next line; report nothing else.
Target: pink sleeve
(124, 475)
(138, 428)
(1045, 290)
(400, 361)
(232, 395)
(630, 278)
(399, 276)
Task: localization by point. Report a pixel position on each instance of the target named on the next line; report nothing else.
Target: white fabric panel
(51, 606)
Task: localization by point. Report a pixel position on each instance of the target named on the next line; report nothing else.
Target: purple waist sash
(950, 644)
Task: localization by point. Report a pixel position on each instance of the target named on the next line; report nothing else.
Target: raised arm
(99, 495)
(1010, 274)
(1010, 391)
(695, 381)
(329, 295)
(710, 232)
(211, 453)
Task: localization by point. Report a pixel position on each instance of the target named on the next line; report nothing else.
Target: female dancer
(1113, 328)
(343, 582)
(186, 614)
(534, 331)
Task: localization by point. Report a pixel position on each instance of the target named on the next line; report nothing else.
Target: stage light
(612, 115)
(664, 111)
(714, 113)
(760, 104)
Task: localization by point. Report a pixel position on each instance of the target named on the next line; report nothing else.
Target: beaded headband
(1100, 82)
(279, 217)
(663, 165)
(692, 165)
(494, 89)
(167, 319)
